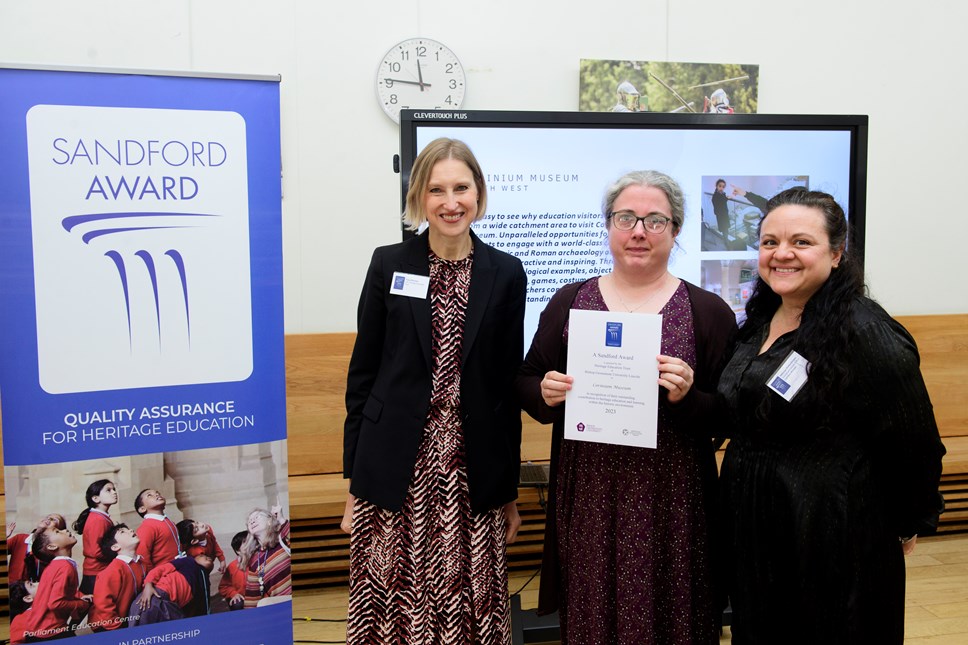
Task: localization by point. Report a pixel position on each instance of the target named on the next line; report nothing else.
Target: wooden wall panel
(943, 344)
(316, 381)
(315, 386)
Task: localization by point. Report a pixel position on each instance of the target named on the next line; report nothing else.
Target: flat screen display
(546, 174)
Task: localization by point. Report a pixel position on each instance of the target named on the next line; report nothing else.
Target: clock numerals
(419, 73)
(420, 51)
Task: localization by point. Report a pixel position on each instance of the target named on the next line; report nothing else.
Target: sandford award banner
(142, 373)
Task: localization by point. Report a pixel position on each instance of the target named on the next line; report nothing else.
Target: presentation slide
(545, 187)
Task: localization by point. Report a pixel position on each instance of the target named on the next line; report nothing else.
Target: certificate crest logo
(140, 227)
(398, 282)
(613, 334)
(580, 427)
(780, 385)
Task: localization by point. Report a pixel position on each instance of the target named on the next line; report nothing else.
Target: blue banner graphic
(142, 353)
(141, 264)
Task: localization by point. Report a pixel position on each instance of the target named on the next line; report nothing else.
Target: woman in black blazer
(433, 432)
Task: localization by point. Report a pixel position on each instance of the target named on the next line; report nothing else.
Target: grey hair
(655, 179)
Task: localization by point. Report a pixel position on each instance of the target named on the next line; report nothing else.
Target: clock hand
(400, 80)
(420, 75)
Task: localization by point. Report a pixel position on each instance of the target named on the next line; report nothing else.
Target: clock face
(419, 73)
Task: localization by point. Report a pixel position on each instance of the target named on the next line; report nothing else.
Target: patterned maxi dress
(433, 573)
(632, 529)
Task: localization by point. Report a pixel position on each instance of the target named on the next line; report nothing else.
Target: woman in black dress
(825, 486)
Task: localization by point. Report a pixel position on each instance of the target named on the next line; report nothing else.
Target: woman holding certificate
(833, 465)
(627, 550)
(432, 439)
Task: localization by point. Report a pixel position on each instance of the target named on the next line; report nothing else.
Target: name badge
(790, 377)
(410, 285)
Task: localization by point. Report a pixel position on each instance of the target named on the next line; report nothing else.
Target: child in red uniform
(158, 534)
(177, 589)
(120, 582)
(93, 523)
(232, 585)
(57, 603)
(23, 565)
(198, 538)
(21, 596)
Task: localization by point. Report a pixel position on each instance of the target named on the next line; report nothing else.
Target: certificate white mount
(612, 357)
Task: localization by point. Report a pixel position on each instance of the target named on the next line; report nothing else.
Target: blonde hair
(439, 150)
(251, 543)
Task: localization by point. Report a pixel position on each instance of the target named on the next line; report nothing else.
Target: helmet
(628, 98)
(719, 101)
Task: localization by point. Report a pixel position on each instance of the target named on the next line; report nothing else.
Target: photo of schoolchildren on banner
(158, 537)
(142, 372)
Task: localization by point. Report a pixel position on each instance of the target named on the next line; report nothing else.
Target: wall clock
(419, 73)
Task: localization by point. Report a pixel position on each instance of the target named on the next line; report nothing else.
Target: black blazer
(389, 382)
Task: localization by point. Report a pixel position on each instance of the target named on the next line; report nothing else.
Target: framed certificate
(615, 395)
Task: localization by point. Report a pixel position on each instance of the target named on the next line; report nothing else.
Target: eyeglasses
(625, 221)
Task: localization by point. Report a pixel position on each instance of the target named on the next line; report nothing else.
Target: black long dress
(813, 514)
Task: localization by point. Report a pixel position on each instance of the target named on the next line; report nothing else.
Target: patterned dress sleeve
(284, 534)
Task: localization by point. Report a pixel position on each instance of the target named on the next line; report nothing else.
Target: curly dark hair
(826, 328)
